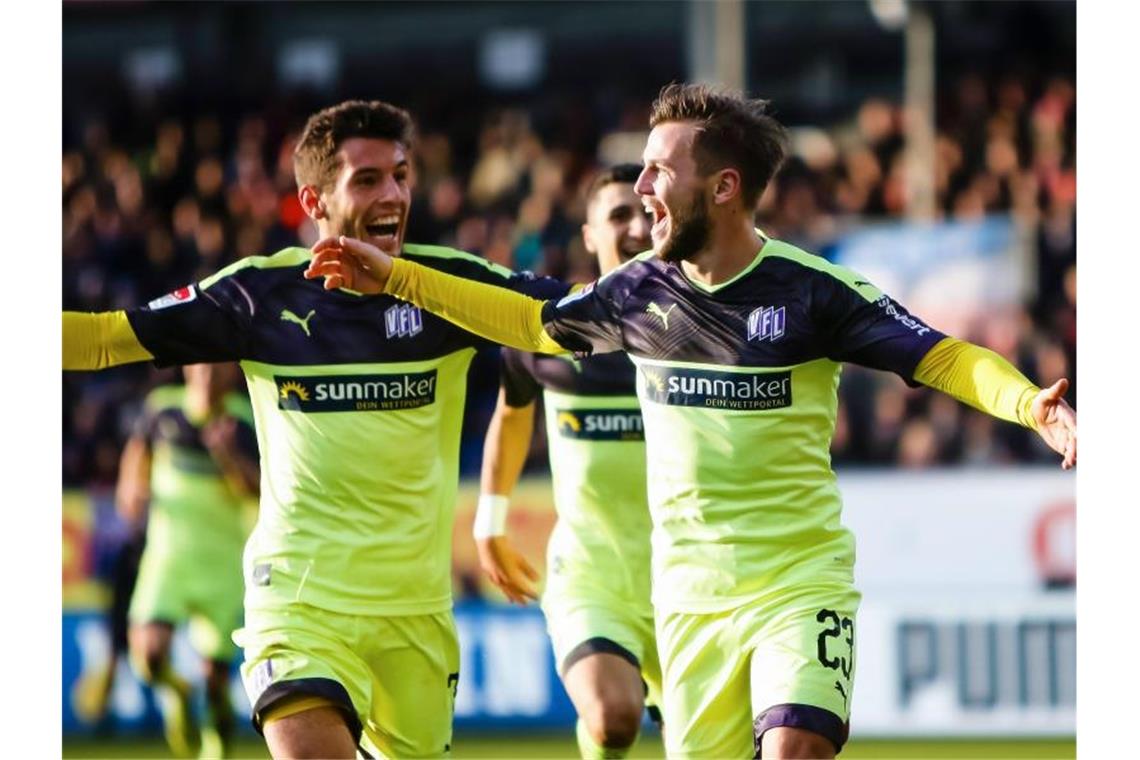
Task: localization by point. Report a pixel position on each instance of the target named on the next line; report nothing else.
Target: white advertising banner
(968, 620)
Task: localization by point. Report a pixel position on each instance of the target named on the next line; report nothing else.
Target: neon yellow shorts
(394, 677)
(580, 627)
(171, 588)
(785, 659)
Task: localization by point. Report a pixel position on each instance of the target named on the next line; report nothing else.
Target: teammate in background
(193, 458)
(349, 635)
(92, 693)
(596, 600)
(738, 340)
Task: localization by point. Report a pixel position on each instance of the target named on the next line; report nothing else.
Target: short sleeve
(516, 376)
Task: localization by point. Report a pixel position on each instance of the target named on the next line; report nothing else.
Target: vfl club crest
(767, 323)
(403, 321)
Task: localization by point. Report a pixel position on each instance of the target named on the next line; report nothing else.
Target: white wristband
(491, 515)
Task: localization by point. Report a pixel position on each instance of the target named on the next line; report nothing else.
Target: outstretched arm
(100, 340)
(494, 313)
(504, 454)
(986, 381)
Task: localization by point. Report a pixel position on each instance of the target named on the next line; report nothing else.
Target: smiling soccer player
(358, 399)
(738, 339)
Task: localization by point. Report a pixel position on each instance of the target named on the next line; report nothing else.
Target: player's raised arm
(986, 381)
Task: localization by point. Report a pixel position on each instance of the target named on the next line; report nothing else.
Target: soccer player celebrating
(349, 637)
(597, 590)
(738, 340)
(193, 457)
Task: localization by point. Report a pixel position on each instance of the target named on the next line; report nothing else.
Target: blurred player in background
(193, 459)
(349, 635)
(596, 599)
(93, 690)
(738, 340)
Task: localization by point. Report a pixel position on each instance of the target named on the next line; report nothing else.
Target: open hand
(1057, 422)
(346, 262)
(507, 569)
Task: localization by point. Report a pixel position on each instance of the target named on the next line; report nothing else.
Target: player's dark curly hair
(733, 131)
(315, 160)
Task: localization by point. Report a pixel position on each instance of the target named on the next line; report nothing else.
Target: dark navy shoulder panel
(263, 309)
(790, 307)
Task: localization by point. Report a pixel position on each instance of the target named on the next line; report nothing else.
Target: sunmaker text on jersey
(343, 393)
(677, 386)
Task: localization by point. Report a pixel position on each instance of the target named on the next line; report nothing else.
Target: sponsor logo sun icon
(567, 421)
(296, 389)
(654, 379)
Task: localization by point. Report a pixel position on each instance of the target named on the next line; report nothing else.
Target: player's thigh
(607, 691)
(705, 687)
(803, 663)
(602, 650)
(414, 662)
(319, 731)
(297, 652)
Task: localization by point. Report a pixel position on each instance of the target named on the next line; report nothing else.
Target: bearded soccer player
(738, 340)
(596, 599)
(349, 637)
(193, 459)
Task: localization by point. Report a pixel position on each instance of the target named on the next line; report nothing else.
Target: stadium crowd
(176, 200)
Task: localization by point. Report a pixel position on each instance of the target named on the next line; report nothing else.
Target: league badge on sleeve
(182, 295)
(576, 295)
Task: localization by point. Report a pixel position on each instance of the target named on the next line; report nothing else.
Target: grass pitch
(538, 746)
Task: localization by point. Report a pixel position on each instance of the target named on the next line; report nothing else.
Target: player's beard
(690, 232)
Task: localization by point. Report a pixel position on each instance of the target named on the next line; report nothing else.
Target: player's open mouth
(384, 229)
(660, 217)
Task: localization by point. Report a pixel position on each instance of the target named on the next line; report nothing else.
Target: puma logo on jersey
(288, 316)
(654, 309)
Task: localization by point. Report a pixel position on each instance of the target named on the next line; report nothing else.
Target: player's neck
(731, 248)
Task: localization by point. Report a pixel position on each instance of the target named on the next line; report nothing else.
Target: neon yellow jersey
(358, 402)
(193, 510)
(599, 547)
(738, 393)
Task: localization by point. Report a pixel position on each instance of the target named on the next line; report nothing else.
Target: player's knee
(614, 723)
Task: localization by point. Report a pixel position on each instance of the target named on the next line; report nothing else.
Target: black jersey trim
(598, 645)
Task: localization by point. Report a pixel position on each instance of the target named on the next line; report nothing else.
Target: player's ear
(311, 202)
(727, 186)
(588, 239)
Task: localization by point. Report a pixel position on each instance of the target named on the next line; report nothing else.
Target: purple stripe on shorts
(808, 717)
